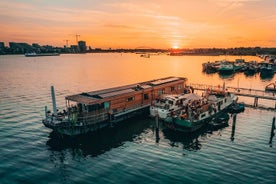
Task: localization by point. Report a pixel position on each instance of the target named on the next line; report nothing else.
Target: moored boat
(34, 54)
(239, 65)
(170, 103)
(211, 67)
(226, 68)
(199, 112)
(266, 70)
(251, 68)
(219, 121)
(236, 108)
(95, 110)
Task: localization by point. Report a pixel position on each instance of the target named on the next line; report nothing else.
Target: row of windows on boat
(106, 105)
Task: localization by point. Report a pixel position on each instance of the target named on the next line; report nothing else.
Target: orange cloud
(161, 24)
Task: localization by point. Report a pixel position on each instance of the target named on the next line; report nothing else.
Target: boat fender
(196, 116)
(184, 116)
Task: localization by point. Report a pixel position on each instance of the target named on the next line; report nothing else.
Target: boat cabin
(125, 99)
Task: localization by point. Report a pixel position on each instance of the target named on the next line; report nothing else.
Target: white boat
(171, 103)
(34, 54)
(198, 113)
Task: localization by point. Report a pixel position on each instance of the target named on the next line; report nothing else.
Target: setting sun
(175, 47)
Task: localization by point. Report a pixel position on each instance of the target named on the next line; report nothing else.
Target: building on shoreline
(81, 47)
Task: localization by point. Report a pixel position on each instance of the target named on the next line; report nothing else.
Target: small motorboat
(219, 121)
(236, 108)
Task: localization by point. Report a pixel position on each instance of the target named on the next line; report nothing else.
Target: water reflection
(189, 141)
(266, 77)
(96, 143)
(226, 76)
(250, 75)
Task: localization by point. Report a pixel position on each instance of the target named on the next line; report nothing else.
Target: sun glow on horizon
(175, 47)
(175, 25)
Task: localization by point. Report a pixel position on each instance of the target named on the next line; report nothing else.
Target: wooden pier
(253, 93)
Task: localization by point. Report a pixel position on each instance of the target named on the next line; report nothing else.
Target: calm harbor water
(130, 152)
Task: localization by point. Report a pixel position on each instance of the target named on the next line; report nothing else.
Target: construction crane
(77, 38)
(66, 42)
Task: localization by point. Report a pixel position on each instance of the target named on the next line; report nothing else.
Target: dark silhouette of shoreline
(22, 48)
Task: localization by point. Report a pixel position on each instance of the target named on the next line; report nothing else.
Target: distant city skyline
(131, 24)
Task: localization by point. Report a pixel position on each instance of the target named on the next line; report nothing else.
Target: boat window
(179, 86)
(203, 115)
(95, 107)
(146, 96)
(172, 88)
(106, 105)
(130, 99)
(84, 107)
(161, 91)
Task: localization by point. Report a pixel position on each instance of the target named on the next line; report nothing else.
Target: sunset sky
(140, 23)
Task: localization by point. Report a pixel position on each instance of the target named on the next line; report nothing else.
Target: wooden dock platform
(246, 92)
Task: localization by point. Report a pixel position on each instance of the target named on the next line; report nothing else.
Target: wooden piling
(273, 123)
(157, 126)
(46, 112)
(272, 131)
(233, 126)
(256, 102)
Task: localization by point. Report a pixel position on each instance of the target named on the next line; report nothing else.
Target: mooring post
(272, 130)
(46, 112)
(110, 118)
(157, 126)
(255, 102)
(273, 124)
(233, 126)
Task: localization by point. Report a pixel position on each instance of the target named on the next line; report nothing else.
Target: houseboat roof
(99, 96)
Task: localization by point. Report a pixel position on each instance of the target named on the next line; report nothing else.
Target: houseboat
(90, 111)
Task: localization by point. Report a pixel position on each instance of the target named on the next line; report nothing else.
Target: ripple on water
(130, 153)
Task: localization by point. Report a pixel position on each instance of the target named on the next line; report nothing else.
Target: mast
(54, 100)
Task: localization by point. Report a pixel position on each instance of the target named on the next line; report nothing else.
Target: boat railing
(76, 118)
